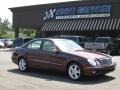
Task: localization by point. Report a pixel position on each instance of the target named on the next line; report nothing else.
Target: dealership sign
(79, 12)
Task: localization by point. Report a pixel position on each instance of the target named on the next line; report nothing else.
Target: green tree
(5, 28)
(28, 32)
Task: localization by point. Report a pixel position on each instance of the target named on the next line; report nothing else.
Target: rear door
(33, 53)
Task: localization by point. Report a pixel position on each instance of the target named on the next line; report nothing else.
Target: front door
(51, 59)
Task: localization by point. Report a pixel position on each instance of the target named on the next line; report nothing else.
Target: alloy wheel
(74, 71)
(22, 64)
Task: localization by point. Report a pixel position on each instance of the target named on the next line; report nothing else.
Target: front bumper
(91, 71)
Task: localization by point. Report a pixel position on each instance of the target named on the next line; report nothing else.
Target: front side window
(48, 46)
(35, 45)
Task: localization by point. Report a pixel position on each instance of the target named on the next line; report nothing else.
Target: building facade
(88, 18)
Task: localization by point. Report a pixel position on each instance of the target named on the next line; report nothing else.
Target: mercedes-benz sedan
(62, 55)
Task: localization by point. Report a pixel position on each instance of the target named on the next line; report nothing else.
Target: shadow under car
(53, 76)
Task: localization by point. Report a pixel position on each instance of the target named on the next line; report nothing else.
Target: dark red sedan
(63, 55)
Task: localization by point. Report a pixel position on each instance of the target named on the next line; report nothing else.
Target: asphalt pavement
(12, 79)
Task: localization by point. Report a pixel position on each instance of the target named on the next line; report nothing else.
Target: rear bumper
(91, 71)
(14, 59)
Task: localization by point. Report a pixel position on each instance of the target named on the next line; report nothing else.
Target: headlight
(98, 63)
(111, 59)
(92, 62)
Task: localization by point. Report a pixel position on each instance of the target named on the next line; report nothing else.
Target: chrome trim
(46, 62)
(105, 61)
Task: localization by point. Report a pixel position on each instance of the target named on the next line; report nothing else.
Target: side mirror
(56, 50)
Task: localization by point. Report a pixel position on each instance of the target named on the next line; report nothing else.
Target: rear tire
(22, 65)
(74, 71)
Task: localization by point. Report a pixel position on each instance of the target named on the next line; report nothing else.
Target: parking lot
(12, 79)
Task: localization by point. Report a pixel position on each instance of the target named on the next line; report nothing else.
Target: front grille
(106, 62)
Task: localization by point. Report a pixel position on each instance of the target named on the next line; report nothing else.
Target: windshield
(67, 45)
(71, 38)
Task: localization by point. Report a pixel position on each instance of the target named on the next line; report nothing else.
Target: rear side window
(35, 45)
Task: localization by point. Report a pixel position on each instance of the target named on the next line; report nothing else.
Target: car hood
(88, 54)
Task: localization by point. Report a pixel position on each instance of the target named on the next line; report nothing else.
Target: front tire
(74, 71)
(22, 65)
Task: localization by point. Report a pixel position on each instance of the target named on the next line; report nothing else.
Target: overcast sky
(5, 13)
